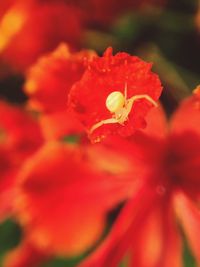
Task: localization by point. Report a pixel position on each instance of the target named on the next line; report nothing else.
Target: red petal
(185, 144)
(50, 79)
(33, 39)
(187, 116)
(156, 123)
(184, 161)
(60, 124)
(20, 136)
(124, 231)
(24, 256)
(159, 242)
(56, 210)
(105, 75)
(189, 216)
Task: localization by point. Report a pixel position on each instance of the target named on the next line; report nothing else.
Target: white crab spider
(120, 107)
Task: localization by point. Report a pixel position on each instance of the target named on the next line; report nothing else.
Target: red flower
(57, 203)
(29, 29)
(48, 83)
(146, 232)
(115, 94)
(49, 80)
(20, 137)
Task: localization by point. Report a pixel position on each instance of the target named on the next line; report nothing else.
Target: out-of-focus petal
(60, 124)
(183, 158)
(25, 255)
(56, 22)
(48, 83)
(22, 133)
(13, 15)
(145, 151)
(183, 161)
(189, 217)
(124, 231)
(156, 123)
(54, 218)
(62, 199)
(49, 80)
(159, 242)
(20, 137)
(187, 116)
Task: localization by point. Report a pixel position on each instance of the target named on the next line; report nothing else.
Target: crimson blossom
(47, 85)
(59, 203)
(20, 137)
(114, 95)
(166, 199)
(31, 28)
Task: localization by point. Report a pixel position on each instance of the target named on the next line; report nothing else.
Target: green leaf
(188, 258)
(72, 139)
(10, 235)
(62, 262)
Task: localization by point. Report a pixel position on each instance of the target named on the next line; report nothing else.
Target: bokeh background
(165, 32)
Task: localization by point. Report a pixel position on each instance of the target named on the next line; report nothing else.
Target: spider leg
(147, 97)
(125, 91)
(130, 102)
(136, 97)
(99, 124)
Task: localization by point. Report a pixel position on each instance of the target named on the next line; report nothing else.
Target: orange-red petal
(56, 22)
(105, 75)
(156, 123)
(20, 137)
(187, 116)
(159, 243)
(63, 198)
(189, 217)
(57, 125)
(25, 255)
(21, 132)
(49, 80)
(124, 231)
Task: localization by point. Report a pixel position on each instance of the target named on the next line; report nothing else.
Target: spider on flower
(120, 107)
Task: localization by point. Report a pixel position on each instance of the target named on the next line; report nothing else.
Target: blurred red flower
(30, 28)
(60, 201)
(25, 255)
(146, 232)
(114, 95)
(48, 83)
(20, 137)
(49, 80)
